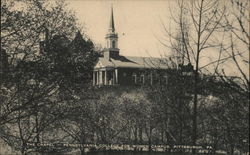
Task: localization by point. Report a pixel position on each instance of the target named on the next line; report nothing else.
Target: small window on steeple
(113, 44)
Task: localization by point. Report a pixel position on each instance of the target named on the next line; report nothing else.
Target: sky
(138, 23)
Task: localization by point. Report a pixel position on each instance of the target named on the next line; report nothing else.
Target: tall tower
(112, 39)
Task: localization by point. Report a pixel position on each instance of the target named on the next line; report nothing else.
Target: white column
(105, 78)
(93, 78)
(113, 78)
(97, 77)
(116, 76)
(101, 81)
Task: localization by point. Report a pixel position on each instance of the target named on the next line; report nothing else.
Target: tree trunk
(82, 150)
(23, 149)
(232, 149)
(181, 120)
(194, 134)
(37, 130)
(140, 134)
(135, 134)
(150, 139)
(162, 135)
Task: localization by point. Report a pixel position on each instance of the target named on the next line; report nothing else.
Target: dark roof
(132, 62)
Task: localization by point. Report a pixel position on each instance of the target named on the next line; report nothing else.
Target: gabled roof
(132, 62)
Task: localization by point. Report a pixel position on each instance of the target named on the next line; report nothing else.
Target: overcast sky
(138, 23)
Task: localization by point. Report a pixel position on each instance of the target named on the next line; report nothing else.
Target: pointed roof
(112, 23)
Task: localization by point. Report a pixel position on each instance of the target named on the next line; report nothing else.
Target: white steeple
(112, 38)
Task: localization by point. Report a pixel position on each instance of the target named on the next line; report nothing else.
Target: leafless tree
(236, 25)
(197, 22)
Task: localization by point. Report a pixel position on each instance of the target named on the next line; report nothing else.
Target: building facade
(115, 69)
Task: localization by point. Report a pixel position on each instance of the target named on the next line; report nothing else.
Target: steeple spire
(112, 39)
(112, 24)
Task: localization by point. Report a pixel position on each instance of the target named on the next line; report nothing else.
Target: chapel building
(115, 69)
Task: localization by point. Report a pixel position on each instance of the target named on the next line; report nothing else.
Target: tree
(20, 31)
(78, 122)
(196, 38)
(29, 104)
(136, 109)
(225, 116)
(110, 122)
(235, 24)
(30, 89)
(172, 97)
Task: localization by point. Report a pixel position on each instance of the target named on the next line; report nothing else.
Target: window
(134, 78)
(113, 44)
(142, 79)
(151, 78)
(166, 79)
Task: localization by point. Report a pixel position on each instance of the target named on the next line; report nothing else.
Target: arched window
(113, 44)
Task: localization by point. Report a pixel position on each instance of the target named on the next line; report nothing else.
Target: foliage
(36, 82)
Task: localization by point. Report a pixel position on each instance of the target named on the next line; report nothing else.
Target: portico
(105, 76)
